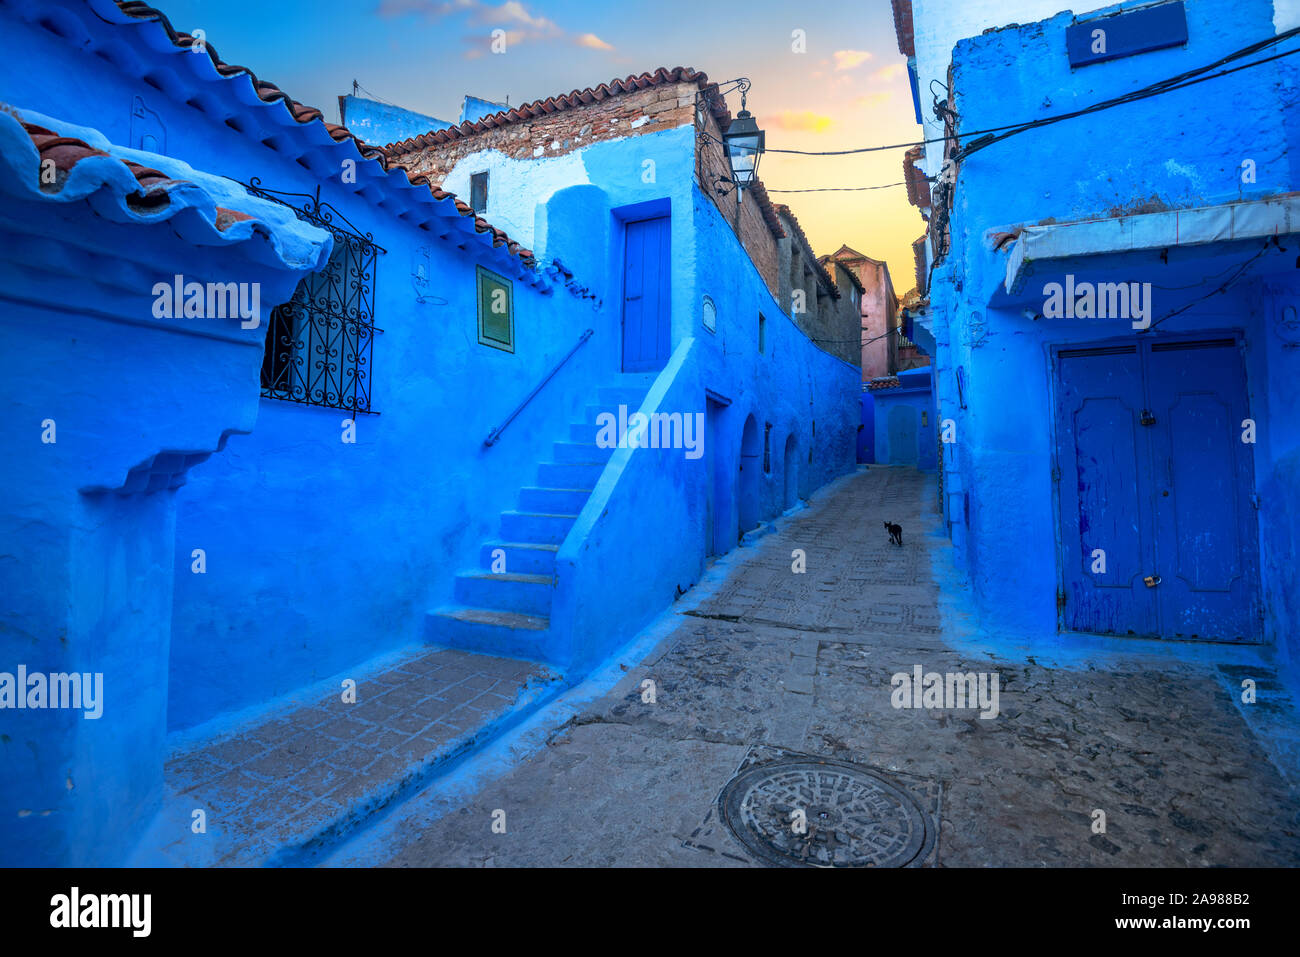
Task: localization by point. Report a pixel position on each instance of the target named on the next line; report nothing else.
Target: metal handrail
(496, 433)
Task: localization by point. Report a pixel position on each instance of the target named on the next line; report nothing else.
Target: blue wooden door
(1155, 483)
(646, 300)
(902, 435)
(1207, 535)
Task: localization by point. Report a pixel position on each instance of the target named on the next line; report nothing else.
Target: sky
(846, 88)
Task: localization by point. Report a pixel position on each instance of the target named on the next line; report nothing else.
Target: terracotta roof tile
(66, 151)
(304, 114)
(884, 382)
(123, 191)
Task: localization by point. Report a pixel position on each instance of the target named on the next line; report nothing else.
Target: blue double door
(646, 295)
(1155, 479)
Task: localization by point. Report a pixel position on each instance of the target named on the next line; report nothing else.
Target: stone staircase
(508, 611)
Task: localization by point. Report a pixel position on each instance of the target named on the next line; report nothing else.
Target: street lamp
(744, 143)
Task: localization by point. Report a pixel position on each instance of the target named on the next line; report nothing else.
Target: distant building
(823, 305)
(878, 314)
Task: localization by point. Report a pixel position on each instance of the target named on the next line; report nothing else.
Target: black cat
(895, 533)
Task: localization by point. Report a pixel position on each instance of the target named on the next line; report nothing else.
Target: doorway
(1159, 536)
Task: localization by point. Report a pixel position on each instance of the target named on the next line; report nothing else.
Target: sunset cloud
(804, 121)
(850, 59)
(887, 73)
(872, 99)
(592, 42)
(520, 22)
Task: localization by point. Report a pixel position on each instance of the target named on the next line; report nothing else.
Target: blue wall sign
(1126, 34)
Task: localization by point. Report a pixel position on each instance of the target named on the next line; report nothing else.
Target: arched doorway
(751, 467)
(790, 471)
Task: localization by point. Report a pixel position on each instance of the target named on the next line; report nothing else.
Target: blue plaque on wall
(1126, 34)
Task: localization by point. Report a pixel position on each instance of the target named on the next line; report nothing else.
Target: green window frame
(496, 327)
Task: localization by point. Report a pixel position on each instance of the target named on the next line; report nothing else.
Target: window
(710, 312)
(767, 448)
(762, 333)
(496, 311)
(319, 344)
(478, 192)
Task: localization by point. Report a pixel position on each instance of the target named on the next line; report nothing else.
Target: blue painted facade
(1032, 478)
(329, 536)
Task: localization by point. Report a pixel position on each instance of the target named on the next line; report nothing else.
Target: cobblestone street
(773, 663)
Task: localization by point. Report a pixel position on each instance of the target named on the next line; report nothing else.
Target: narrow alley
(777, 666)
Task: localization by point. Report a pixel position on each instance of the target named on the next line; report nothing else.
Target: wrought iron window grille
(320, 344)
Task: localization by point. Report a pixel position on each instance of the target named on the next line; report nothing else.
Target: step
(526, 558)
(568, 475)
(612, 398)
(542, 527)
(518, 593)
(586, 431)
(581, 452)
(561, 501)
(503, 633)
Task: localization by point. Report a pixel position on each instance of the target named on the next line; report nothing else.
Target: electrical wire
(1178, 82)
(1223, 287)
(836, 189)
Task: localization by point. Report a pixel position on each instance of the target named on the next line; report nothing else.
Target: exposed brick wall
(655, 109)
(903, 27)
(747, 219)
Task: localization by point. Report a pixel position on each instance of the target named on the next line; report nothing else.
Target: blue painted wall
(904, 422)
(383, 123)
(867, 430)
(1182, 149)
(88, 509)
(267, 617)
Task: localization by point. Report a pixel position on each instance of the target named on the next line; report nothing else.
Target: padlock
(1152, 581)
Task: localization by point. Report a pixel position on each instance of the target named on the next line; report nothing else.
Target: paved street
(774, 664)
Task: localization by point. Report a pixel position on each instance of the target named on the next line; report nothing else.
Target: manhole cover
(851, 817)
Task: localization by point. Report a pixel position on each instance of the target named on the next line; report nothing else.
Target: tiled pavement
(315, 770)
